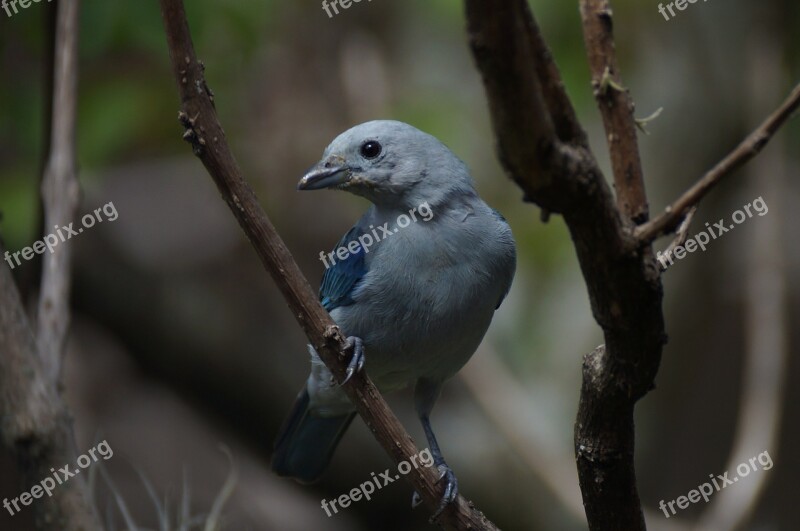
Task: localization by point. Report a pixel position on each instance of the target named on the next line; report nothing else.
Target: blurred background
(181, 344)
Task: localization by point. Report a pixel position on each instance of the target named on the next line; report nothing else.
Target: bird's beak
(325, 175)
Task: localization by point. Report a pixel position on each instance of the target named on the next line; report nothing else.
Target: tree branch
(60, 192)
(34, 420)
(681, 235)
(35, 424)
(616, 108)
(505, 28)
(622, 279)
(204, 132)
(744, 152)
(567, 127)
(510, 408)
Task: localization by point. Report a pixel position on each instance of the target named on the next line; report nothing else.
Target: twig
(60, 192)
(616, 108)
(680, 238)
(745, 151)
(641, 123)
(204, 132)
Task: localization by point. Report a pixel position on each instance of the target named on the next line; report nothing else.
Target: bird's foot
(450, 491)
(416, 499)
(357, 360)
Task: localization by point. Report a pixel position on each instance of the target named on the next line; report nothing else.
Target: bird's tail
(306, 442)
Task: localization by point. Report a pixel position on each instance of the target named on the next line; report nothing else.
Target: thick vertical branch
(508, 407)
(616, 107)
(567, 127)
(503, 28)
(34, 421)
(616, 260)
(205, 133)
(622, 279)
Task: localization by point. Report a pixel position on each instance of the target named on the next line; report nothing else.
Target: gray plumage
(420, 299)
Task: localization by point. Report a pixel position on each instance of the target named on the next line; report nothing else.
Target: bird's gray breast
(429, 296)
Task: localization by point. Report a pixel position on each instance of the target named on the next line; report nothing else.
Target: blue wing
(342, 277)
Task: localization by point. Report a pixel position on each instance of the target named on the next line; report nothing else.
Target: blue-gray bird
(414, 296)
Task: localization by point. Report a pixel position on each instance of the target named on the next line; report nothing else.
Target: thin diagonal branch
(680, 238)
(616, 108)
(204, 132)
(744, 152)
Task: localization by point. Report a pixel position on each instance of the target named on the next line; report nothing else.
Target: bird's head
(390, 163)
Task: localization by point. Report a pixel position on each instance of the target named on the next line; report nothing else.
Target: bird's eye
(370, 149)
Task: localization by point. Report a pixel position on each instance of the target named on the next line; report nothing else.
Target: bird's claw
(357, 360)
(450, 491)
(416, 499)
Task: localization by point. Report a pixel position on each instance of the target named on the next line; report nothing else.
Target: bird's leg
(445, 472)
(425, 395)
(358, 358)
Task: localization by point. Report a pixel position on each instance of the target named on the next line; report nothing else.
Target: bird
(414, 295)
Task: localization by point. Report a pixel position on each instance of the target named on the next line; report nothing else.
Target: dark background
(181, 343)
